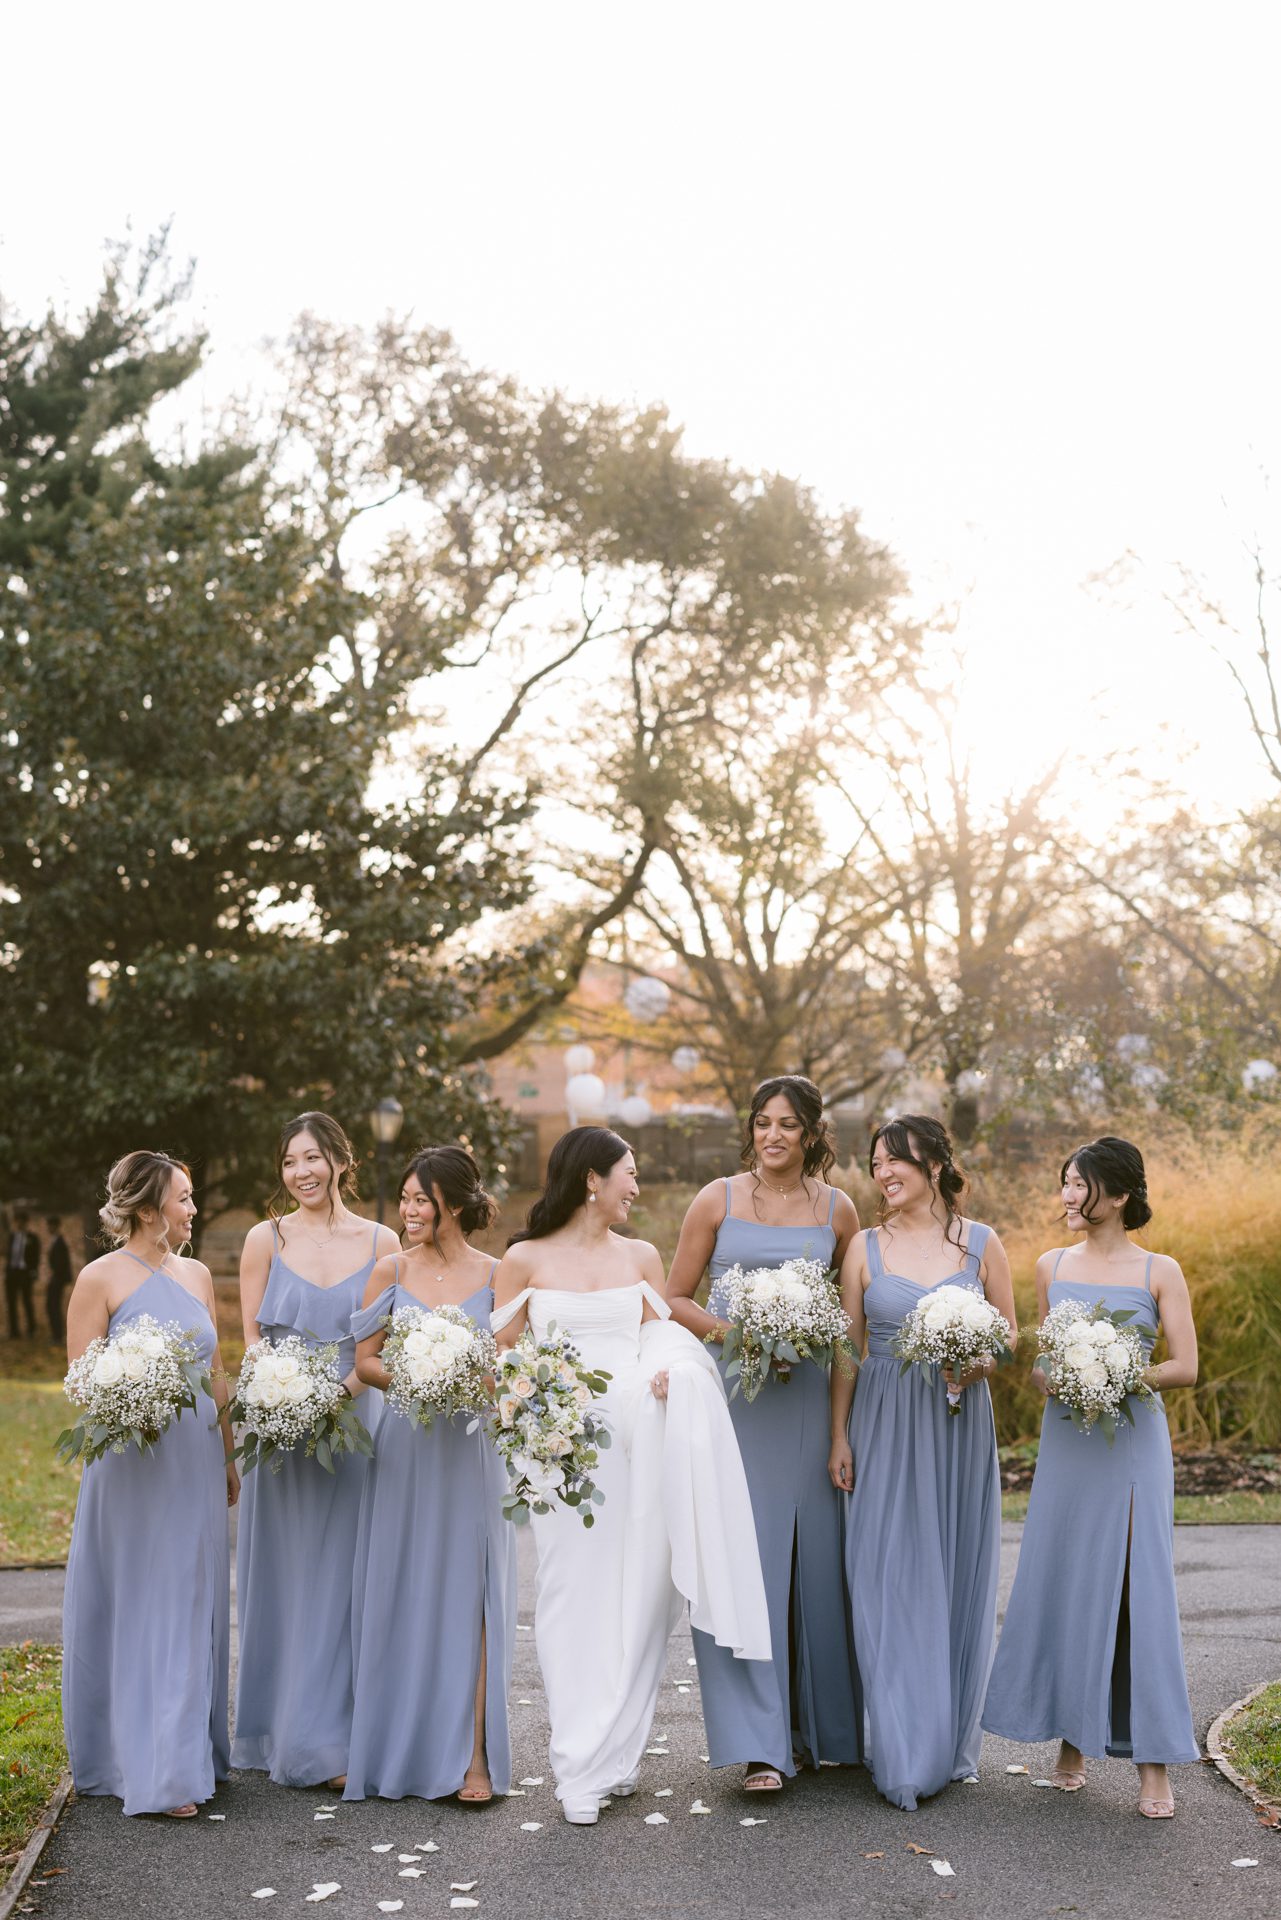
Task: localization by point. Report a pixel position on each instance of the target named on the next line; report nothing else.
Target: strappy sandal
(1067, 1779)
(187, 1811)
(475, 1796)
(1153, 1809)
(762, 1780)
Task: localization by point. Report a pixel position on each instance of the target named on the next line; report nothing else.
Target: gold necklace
(781, 1191)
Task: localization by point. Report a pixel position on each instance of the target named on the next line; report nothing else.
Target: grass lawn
(1193, 1509)
(1253, 1741)
(32, 1755)
(37, 1493)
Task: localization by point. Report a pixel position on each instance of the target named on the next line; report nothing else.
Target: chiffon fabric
(433, 1550)
(675, 1527)
(295, 1549)
(1074, 1663)
(146, 1610)
(805, 1700)
(923, 1540)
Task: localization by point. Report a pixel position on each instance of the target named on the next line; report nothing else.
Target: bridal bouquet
(952, 1327)
(1092, 1363)
(782, 1314)
(129, 1386)
(290, 1395)
(439, 1362)
(545, 1429)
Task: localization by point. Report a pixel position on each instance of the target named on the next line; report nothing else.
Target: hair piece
(1111, 1166)
(451, 1172)
(336, 1150)
(933, 1158)
(806, 1102)
(138, 1182)
(581, 1151)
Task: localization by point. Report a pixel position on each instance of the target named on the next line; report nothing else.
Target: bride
(677, 1520)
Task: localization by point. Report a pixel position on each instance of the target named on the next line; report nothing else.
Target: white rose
(108, 1369)
(421, 1369)
(288, 1366)
(975, 1314)
(269, 1392)
(135, 1364)
(794, 1292)
(559, 1444)
(507, 1409)
(1101, 1332)
(765, 1289)
(152, 1344)
(937, 1316)
(1117, 1360)
(1094, 1374)
(417, 1342)
(582, 1396)
(296, 1388)
(1079, 1354)
(266, 1365)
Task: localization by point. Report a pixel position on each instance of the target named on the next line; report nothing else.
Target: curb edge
(15, 1886)
(1214, 1748)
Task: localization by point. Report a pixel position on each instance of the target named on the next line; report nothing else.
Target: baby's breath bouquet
(129, 1385)
(782, 1315)
(952, 1327)
(545, 1429)
(1093, 1363)
(439, 1362)
(291, 1395)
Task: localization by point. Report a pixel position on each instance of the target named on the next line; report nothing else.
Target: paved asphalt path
(829, 1847)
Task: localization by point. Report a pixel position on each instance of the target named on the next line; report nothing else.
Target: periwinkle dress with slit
(806, 1701)
(1079, 1659)
(295, 1548)
(146, 1611)
(923, 1543)
(434, 1560)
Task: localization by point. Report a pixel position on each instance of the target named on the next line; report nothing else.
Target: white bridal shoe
(625, 1788)
(584, 1815)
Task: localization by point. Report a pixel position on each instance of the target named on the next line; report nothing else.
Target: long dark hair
(336, 1151)
(806, 1103)
(935, 1144)
(581, 1151)
(1112, 1166)
(451, 1172)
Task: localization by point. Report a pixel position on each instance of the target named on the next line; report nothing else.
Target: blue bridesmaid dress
(146, 1612)
(923, 1543)
(1069, 1667)
(434, 1558)
(294, 1552)
(805, 1702)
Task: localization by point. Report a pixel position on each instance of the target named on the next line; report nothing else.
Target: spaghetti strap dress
(922, 1547)
(147, 1607)
(435, 1560)
(806, 1700)
(294, 1554)
(1082, 1658)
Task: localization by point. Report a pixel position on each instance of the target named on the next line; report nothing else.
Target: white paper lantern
(585, 1093)
(686, 1059)
(635, 1111)
(1133, 1046)
(970, 1083)
(646, 998)
(1257, 1074)
(1149, 1079)
(893, 1059)
(579, 1058)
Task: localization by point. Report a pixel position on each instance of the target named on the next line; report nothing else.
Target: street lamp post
(385, 1123)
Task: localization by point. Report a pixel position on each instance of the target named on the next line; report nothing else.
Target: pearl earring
(591, 1196)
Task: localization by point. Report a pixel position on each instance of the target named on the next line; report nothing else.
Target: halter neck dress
(805, 1701)
(1080, 1659)
(435, 1559)
(923, 1543)
(294, 1554)
(146, 1611)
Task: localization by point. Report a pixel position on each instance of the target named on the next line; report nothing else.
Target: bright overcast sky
(1004, 277)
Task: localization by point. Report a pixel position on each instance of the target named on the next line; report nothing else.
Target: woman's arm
(1170, 1290)
(88, 1310)
(994, 1272)
(369, 1370)
(218, 1379)
(840, 1463)
(387, 1248)
(845, 1221)
(693, 1251)
(514, 1274)
(255, 1265)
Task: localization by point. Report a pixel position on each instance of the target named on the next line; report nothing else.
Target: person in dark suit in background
(58, 1255)
(21, 1264)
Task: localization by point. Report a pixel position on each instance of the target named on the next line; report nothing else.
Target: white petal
(264, 1893)
(321, 1889)
(461, 1900)
(1245, 1863)
(410, 1873)
(215, 1816)
(323, 1816)
(656, 1820)
(515, 1793)
(407, 1859)
(381, 1846)
(532, 1780)
(390, 1906)
(698, 1807)
(691, 1662)
(750, 1822)
(662, 1793)
(656, 1749)
(970, 1780)
(333, 1808)
(944, 1869)
(524, 1703)
(427, 1846)
(531, 1826)
(523, 1629)
(1016, 1769)
(462, 1886)
(704, 1756)
(1043, 1783)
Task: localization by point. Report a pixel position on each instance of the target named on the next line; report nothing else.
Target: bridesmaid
(923, 1526)
(806, 1702)
(1091, 1653)
(304, 1273)
(435, 1581)
(146, 1613)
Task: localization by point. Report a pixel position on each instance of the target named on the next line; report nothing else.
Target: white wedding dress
(676, 1526)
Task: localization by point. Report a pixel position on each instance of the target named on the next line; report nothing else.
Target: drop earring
(591, 1196)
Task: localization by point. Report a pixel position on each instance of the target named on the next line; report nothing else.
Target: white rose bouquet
(952, 1327)
(1093, 1363)
(782, 1315)
(439, 1362)
(130, 1385)
(545, 1429)
(291, 1395)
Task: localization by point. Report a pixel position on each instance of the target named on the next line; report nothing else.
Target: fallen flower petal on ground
(322, 1816)
(321, 1889)
(381, 1846)
(662, 1793)
(656, 1820)
(462, 1886)
(427, 1846)
(460, 1900)
(264, 1893)
(390, 1906)
(926, 1852)
(698, 1807)
(753, 1821)
(531, 1826)
(1245, 1863)
(407, 1859)
(215, 1816)
(1016, 1769)
(533, 1780)
(943, 1868)
(873, 1856)
(1043, 1783)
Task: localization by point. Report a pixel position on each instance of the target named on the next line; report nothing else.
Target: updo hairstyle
(806, 1103)
(1112, 1167)
(137, 1183)
(581, 1151)
(935, 1161)
(451, 1172)
(336, 1150)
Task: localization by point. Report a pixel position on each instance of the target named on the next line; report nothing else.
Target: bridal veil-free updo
(451, 1172)
(933, 1158)
(581, 1151)
(1111, 1166)
(137, 1183)
(806, 1103)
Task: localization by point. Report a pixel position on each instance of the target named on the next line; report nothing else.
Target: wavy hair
(451, 1172)
(934, 1159)
(336, 1150)
(806, 1102)
(138, 1181)
(581, 1151)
